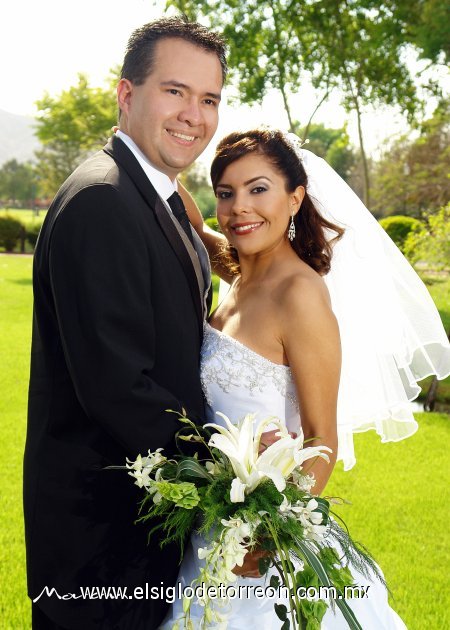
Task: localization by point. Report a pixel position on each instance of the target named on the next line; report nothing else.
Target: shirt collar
(162, 183)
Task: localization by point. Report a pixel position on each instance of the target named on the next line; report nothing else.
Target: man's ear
(124, 92)
(296, 198)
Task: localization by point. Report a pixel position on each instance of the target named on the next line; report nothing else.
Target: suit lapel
(175, 240)
(121, 154)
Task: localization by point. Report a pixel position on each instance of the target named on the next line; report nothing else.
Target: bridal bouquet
(241, 500)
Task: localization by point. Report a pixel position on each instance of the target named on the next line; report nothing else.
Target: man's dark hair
(140, 51)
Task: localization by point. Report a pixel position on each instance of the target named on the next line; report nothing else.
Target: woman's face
(253, 206)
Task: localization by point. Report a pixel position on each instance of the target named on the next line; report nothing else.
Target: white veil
(391, 332)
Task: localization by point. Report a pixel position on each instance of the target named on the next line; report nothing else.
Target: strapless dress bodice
(237, 380)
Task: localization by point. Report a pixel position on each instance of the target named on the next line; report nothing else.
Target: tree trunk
(430, 400)
(292, 127)
(308, 124)
(363, 156)
(282, 76)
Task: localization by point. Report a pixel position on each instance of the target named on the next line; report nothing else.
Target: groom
(120, 288)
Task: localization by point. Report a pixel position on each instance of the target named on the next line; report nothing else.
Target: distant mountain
(17, 139)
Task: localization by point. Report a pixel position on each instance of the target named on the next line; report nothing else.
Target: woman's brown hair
(310, 242)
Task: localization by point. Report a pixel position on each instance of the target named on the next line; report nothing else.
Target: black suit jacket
(117, 330)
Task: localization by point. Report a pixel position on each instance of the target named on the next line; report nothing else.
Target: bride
(287, 338)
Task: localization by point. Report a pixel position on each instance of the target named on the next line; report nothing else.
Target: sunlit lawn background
(398, 491)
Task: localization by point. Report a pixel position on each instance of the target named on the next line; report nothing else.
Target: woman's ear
(296, 199)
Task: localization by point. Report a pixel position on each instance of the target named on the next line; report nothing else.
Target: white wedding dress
(237, 381)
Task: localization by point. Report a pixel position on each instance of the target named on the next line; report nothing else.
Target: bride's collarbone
(254, 327)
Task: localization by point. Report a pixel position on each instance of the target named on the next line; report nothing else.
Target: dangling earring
(291, 231)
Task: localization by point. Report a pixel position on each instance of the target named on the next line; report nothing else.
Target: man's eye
(223, 194)
(174, 91)
(210, 101)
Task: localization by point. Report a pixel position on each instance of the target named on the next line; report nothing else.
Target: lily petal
(237, 492)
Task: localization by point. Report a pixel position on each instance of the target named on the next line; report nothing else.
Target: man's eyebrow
(249, 181)
(183, 86)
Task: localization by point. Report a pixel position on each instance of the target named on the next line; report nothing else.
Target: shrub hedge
(398, 227)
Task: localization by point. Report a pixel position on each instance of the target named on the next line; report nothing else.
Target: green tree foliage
(428, 27)
(358, 48)
(399, 227)
(334, 146)
(196, 180)
(70, 126)
(18, 182)
(431, 244)
(412, 177)
(353, 47)
(32, 232)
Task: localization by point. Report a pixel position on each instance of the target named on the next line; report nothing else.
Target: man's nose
(191, 113)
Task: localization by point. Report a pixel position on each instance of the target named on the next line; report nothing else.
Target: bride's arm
(310, 336)
(212, 240)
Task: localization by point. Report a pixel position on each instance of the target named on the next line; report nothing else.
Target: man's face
(174, 114)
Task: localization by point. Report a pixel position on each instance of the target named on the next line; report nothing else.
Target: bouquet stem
(287, 571)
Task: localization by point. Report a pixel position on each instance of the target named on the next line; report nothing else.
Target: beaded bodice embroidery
(237, 380)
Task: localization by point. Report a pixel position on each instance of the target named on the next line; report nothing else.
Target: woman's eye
(223, 194)
(259, 189)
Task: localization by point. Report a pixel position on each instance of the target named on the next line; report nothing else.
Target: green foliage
(10, 232)
(432, 33)
(429, 27)
(333, 145)
(183, 494)
(431, 244)
(71, 126)
(176, 528)
(213, 223)
(32, 233)
(18, 181)
(81, 115)
(196, 180)
(30, 221)
(353, 47)
(399, 227)
(206, 201)
(340, 576)
(217, 503)
(412, 177)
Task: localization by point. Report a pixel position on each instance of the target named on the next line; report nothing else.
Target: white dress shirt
(161, 182)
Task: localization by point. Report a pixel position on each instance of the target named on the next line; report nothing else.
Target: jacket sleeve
(100, 274)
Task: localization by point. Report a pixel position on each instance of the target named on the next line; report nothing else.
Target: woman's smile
(241, 229)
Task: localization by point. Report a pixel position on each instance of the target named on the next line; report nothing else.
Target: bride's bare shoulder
(304, 311)
(304, 304)
(303, 288)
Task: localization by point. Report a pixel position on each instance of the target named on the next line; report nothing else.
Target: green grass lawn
(15, 325)
(397, 490)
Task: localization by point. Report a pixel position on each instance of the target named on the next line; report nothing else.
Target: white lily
(242, 449)
(237, 492)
